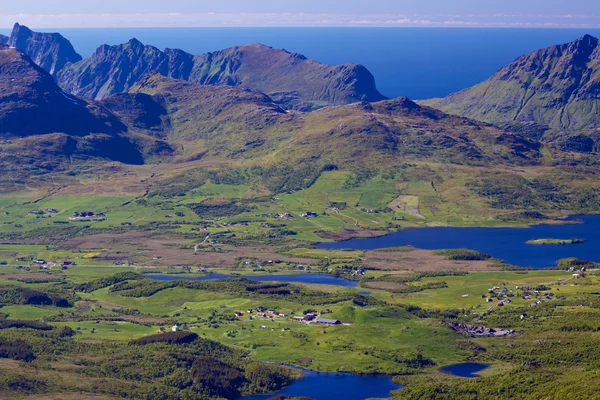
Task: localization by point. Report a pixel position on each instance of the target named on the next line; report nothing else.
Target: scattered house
(271, 311)
(283, 315)
(262, 314)
(67, 263)
(298, 319)
(489, 300)
(162, 330)
(176, 328)
(238, 314)
(326, 321)
(39, 262)
(260, 309)
(285, 329)
(508, 301)
(310, 214)
(523, 316)
(250, 311)
(263, 327)
(327, 311)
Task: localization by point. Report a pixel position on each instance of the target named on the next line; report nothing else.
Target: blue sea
(416, 62)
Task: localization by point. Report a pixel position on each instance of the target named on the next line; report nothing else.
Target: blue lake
(465, 370)
(337, 386)
(314, 279)
(508, 244)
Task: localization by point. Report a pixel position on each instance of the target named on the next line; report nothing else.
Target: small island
(556, 241)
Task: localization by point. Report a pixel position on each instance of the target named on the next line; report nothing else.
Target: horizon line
(297, 20)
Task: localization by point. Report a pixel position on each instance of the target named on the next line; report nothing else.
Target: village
(309, 317)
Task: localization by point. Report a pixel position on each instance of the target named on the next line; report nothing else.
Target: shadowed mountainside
(43, 124)
(558, 87)
(3, 40)
(51, 51)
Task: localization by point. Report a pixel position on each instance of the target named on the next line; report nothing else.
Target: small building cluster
(44, 211)
(86, 214)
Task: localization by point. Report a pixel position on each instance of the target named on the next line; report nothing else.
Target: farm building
(328, 321)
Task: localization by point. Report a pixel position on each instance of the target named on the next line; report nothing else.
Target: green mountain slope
(290, 79)
(558, 87)
(227, 124)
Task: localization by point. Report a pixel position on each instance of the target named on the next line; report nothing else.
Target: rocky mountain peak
(50, 51)
(557, 87)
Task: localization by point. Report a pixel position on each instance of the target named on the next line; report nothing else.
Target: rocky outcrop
(557, 87)
(3, 40)
(289, 79)
(51, 51)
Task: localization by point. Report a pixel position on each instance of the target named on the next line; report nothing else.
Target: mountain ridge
(558, 87)
(291, 79)
(51, 51)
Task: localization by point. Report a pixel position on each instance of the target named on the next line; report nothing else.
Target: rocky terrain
(289, 79)
(51, 51)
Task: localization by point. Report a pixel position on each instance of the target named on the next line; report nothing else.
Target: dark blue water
(314, 279)
(414, 62)
(337, 386)
(464, 370)
(508, 244)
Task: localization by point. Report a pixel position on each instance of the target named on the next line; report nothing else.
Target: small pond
(508, 244)
(332, 386)
(315, 279)
(464, 370)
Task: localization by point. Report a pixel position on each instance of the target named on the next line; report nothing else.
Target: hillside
(43, 124)
(225, 123)
(51, 51)
(558, 87)
(3, 40)
(290, 79)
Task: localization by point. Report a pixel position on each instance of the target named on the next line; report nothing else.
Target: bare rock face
(558, 87)
(3, 40)
(51, 51)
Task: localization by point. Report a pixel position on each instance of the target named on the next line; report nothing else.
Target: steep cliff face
(51, 51)
(289, 79)
(558, 87)
(112, 70)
